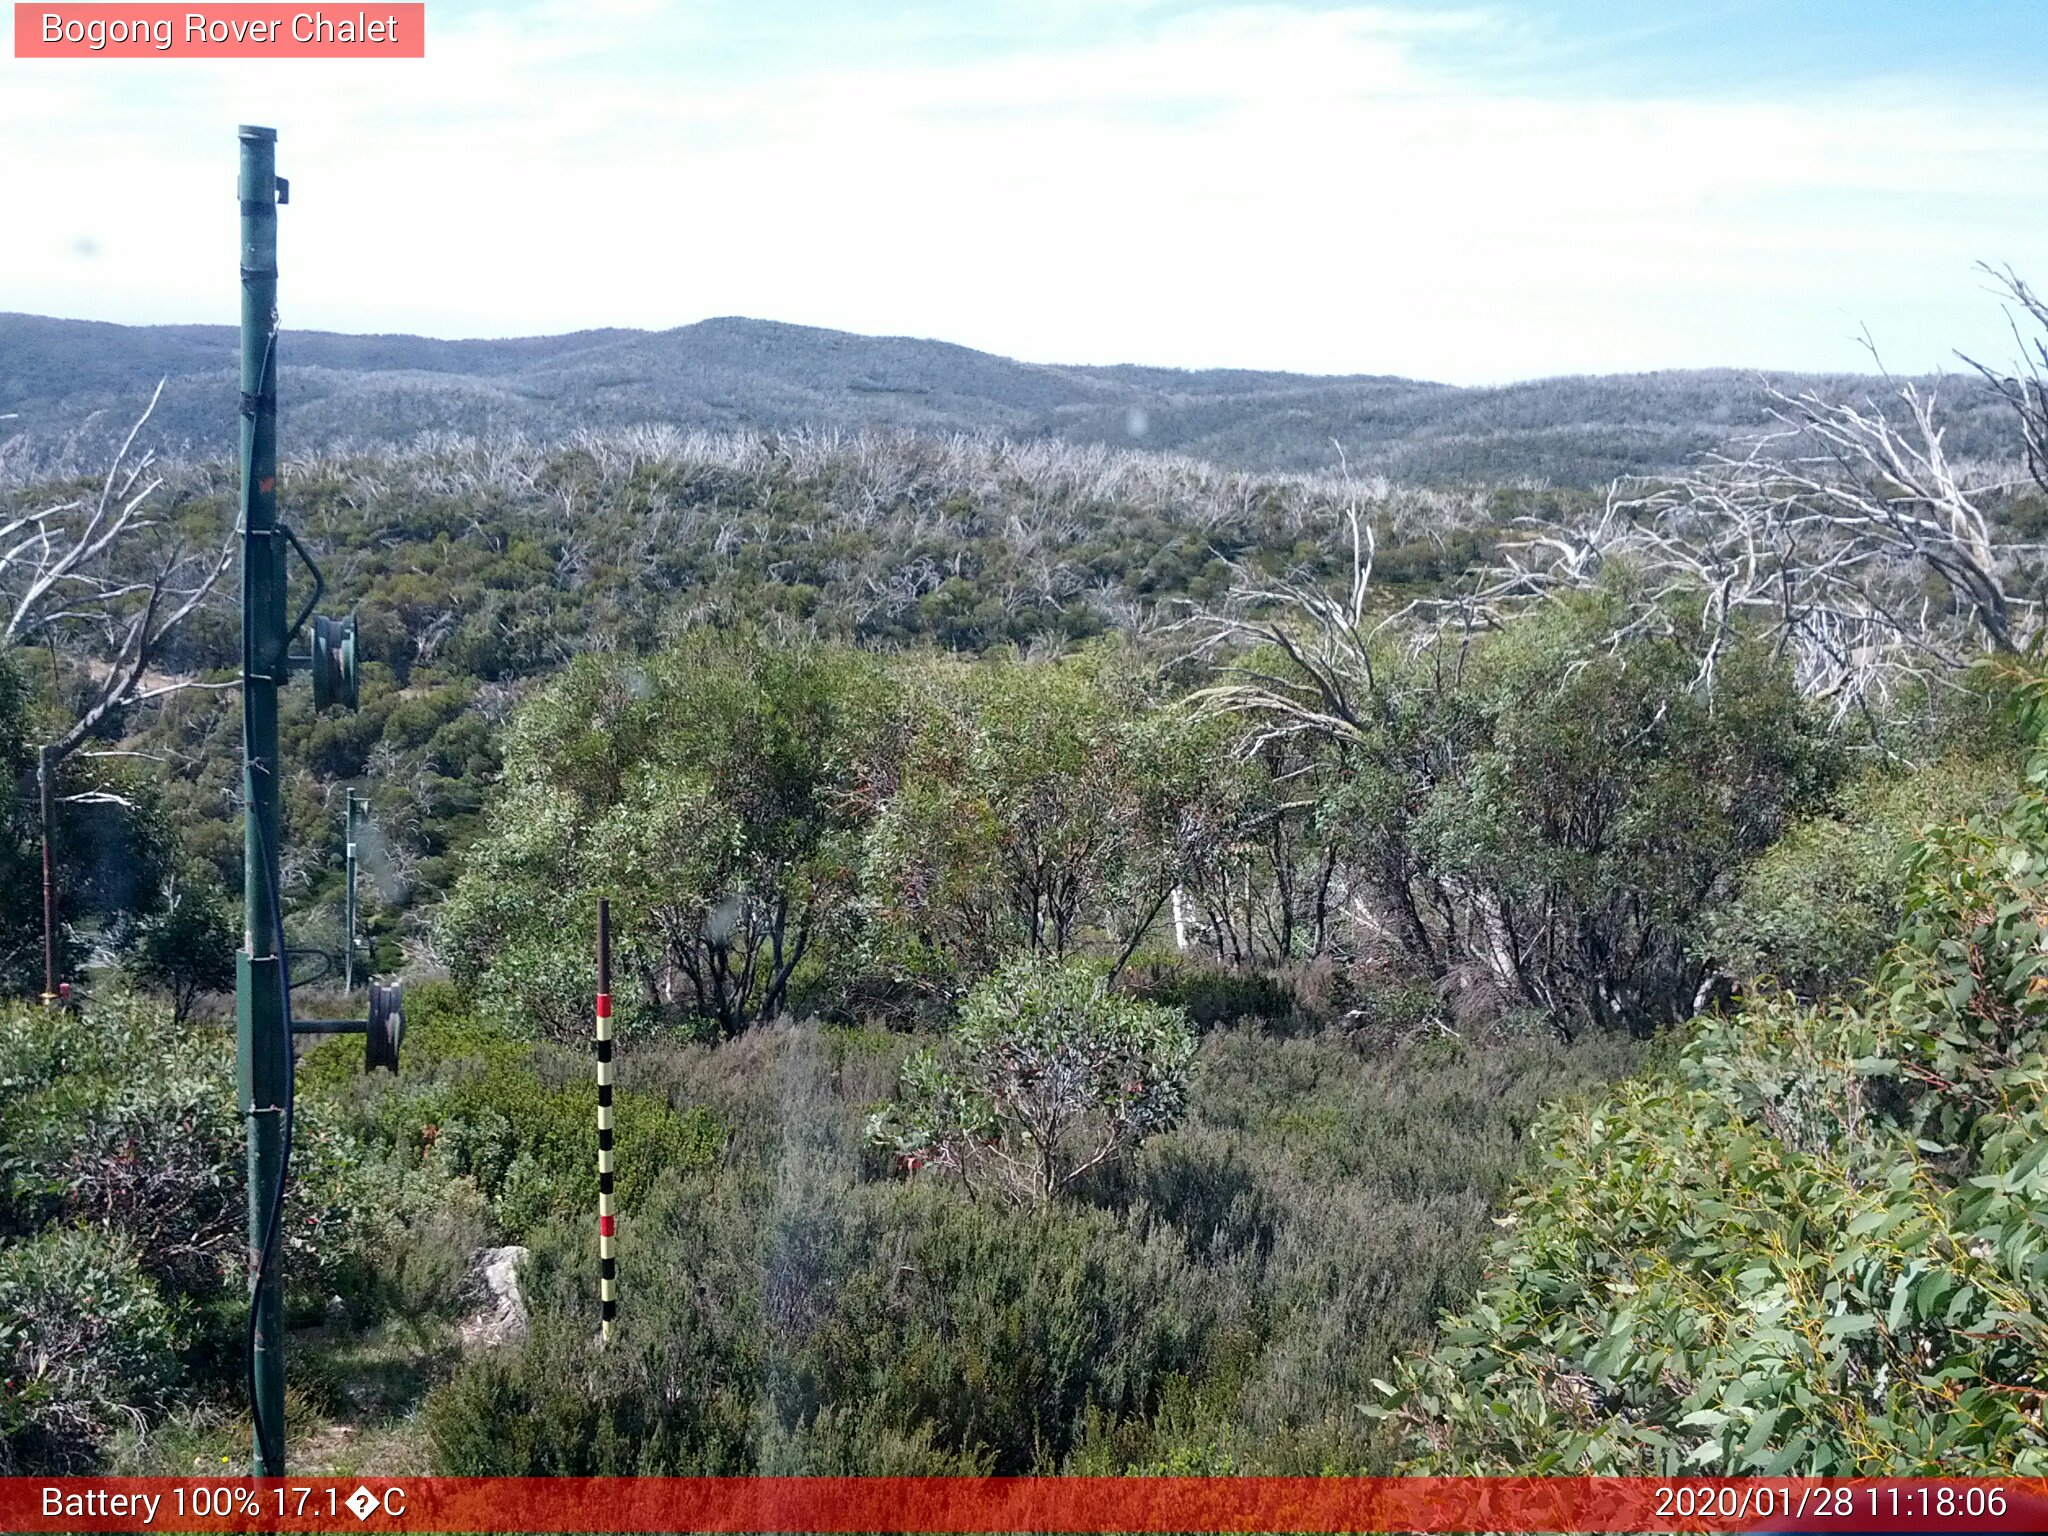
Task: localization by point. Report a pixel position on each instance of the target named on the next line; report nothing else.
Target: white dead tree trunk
(1849, 531)
(107, 565)
(2025, 389)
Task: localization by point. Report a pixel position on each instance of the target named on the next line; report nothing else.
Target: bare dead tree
(2025, 390)
(1301, 661)
(1826, 531)
(1327, 640)
(107, 565)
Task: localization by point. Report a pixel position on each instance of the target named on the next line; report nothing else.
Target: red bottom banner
(1022, 1504)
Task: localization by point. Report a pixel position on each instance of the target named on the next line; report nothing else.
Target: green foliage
(119, 1135)
(529, 1147)
(716, 792)
(784, 1342)
(1033, 807)
(1820, 1246)
(1540, 816)
(1224, 1292)
(674, 1393)
(1607, 803)
(113, 1118)
(1049, 1075)
(1817, 911)
(1004, 1331)
(113, 847)
(86, 1341)
(1542, 825)
(187, 949)
(1534, 827)
(1212, 994)
(477, 574)
(784, 823)
(480, 1106)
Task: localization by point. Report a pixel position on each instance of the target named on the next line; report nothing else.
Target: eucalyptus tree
(1537, 806)
(1045, 808)
(717, 793)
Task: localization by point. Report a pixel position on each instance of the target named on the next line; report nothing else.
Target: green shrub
(1820, 1246)
(887, 1321)
(675, 1393)
(186, 950)
(862, 1440)
(480, 1105)
(1049, 1075)
(1817, 912)
(998, 1330)
(1219, 1300)
(534, 1148)
(87, 1342)
(115, 1116)
(119, 1127)
(1396, 1011)
(719, 789)
(530, 1146)
(1032, 808)
(113, 843)
(1212, 994)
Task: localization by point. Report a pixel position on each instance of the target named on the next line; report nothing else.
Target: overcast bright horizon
(1472, 194)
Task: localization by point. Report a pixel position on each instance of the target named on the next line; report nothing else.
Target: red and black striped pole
(607, 1258)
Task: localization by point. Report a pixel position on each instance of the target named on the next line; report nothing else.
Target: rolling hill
(71, 385)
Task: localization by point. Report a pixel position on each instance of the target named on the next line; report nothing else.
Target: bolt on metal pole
(264, 1052)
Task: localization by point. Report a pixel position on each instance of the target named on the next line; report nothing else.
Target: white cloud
(1337, 190)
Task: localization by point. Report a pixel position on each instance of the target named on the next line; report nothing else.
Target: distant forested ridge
(73, 386)
(476, 570)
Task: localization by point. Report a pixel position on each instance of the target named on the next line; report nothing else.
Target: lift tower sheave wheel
(383, 1031)
(386, 1029)
(334, 662)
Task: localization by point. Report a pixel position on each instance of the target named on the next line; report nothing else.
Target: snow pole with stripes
(607, 1256)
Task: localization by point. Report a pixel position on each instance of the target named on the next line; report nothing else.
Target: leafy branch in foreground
(1819, 1246)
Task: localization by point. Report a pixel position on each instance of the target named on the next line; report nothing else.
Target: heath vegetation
(1122, 965)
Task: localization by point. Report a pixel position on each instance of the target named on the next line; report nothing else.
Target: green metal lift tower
(263, 1018)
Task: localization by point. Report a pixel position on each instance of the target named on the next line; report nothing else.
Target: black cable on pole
(272, 1435)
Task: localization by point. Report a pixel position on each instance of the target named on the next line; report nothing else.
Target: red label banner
(239, 31)
(998, 1504)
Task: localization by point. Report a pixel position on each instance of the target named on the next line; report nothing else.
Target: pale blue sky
(1470, 193)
